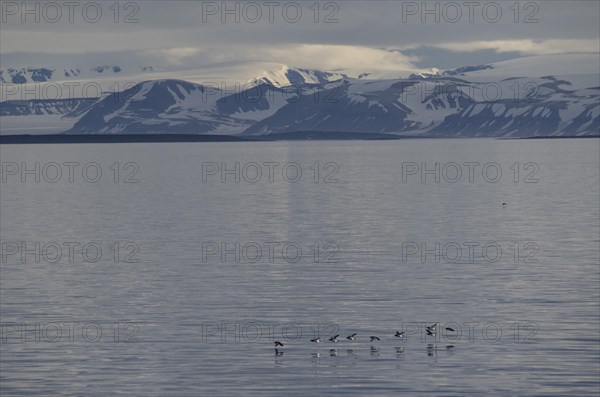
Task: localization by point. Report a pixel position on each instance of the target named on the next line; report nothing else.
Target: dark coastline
(289, 136)
(163, 138)
(125, 138)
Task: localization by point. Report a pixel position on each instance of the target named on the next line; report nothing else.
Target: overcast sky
(369, 35)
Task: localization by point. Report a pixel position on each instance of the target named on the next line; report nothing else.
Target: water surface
(188, 320)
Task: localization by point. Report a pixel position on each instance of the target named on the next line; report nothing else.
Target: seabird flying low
(277, 343)
(449, 329)
(374, 338)
(399, 334)
(334, 339)
(351, 337)
(431, 331)
(316, 340)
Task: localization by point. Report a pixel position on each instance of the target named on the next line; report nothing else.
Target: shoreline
(183, 138)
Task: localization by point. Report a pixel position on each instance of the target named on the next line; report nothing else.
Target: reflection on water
(191, 316)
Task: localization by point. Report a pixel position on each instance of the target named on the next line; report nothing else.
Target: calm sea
(170, 269)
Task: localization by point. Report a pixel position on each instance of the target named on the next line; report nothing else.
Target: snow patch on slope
(287, 76)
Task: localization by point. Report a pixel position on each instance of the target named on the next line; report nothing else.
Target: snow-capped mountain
(435, 73)
(179, 106)
(446, 106)
(524, 97)
(53, 74)
(25, 75)
(286, 76)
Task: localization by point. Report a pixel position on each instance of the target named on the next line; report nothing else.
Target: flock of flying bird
(431, 331)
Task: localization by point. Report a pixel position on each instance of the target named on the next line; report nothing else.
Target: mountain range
(44, 74)
(554, 95)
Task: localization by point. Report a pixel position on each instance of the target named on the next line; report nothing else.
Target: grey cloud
(376, 24)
